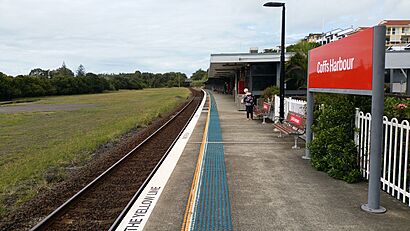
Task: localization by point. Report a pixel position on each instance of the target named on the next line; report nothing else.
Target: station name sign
(353, 65)
(343, 66)
(333, 65)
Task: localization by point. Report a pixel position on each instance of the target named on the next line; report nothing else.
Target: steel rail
(138, 193)
(49, 219)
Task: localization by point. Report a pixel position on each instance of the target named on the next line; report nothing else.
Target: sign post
(353, 65)
(373, 201)
(309, 123)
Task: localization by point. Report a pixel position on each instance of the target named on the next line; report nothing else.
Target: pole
(373, 204)
(282, 70)
(309, 123)
(408, 82)
(309, 120)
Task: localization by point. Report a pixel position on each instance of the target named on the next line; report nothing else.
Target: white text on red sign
(334, 65)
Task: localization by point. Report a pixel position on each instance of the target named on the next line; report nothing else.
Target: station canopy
(226, 65)
(397, 59)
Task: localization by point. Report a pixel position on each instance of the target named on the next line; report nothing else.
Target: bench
(262, 112)
(293, 125)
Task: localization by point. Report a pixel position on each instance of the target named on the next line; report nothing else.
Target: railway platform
(269, 185)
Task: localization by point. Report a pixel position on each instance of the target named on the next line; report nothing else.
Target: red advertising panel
(345, 64)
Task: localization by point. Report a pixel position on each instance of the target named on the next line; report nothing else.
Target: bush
(397, 107)
(269, 92)
(333, 149)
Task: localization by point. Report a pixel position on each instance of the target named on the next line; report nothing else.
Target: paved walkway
(271, 187)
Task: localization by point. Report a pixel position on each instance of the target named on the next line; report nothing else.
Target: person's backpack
(249, 100)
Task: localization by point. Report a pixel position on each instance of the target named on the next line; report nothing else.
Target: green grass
(33, 144)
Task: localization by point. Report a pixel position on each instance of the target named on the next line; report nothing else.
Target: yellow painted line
(191, 199)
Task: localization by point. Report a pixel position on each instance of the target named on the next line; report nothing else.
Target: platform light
(282, 61)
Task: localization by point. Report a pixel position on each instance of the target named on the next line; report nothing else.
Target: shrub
(397, 107)
(269, 92)
(333, 149)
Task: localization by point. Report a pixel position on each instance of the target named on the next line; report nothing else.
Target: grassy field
(32, 143)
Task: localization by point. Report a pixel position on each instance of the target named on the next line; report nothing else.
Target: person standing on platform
(249, 101)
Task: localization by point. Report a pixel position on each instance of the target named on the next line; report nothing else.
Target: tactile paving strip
(212, 207)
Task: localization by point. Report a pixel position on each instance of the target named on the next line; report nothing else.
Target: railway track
(98, 204)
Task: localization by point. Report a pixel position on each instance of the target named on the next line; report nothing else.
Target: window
(263, 76)
(263, 69)
(259, 83)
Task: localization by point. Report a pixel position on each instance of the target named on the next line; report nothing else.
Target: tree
(199, 75)
(63, 72)
(174, 79)
(180, 77)
(30, 86)
(7, 87)
(296, 67)
(38, 72)
(80, 70)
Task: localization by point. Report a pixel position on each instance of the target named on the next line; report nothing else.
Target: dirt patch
(10, 109)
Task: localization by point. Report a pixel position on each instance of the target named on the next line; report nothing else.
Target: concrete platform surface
(271, 187)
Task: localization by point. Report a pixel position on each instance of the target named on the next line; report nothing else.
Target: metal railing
(395, 161)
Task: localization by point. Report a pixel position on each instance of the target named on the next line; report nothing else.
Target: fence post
(287, 104)
(356, 126)
(276, 111)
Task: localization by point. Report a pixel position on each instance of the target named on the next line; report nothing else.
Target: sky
(113, 36)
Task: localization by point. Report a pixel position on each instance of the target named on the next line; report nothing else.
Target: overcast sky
(111, 36)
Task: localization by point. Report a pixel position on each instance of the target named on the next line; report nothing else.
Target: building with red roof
(397, 32)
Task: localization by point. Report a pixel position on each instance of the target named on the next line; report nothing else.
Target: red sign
(295, 119)
(344, 64)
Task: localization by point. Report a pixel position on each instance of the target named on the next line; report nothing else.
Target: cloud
(159, 36)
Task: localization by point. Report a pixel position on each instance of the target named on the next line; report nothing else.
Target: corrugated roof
(395, 22)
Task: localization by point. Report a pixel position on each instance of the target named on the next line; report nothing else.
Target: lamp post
(282, 60)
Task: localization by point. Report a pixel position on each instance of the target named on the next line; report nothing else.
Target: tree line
(63, 81)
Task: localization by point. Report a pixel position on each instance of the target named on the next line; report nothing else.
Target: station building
(231, 73)
(397, 75)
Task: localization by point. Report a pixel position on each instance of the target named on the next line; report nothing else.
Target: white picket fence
(293, 105)
(395, 162)
(395, 178)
